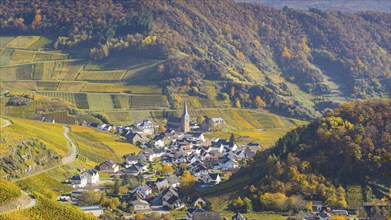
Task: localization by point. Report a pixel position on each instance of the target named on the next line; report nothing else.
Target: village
(156, 172)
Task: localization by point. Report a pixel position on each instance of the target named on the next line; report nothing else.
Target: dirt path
(6, 123)
(66, 160)
(25, 201)
(72, 148)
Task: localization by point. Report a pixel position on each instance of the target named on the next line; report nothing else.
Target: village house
(169, 181)
(213, 124)
(140, 206)
(79, 181)
(150, 155)
(144, 191)
(133, 138)
(130, 160)
(170, 199)
(146, 127)
(92, 176)
(206, 216)
(45, 119)
(238, 216)
(197, 201)
(109, 166)
(191, 211)
(96, 210)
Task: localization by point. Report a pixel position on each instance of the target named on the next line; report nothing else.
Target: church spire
(185, 119)
(185, 110)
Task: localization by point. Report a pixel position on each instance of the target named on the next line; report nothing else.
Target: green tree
(232, 138)
(248, 205)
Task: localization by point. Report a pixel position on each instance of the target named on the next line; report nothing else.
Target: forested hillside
(335, 5)
(349, 148)
(295, 62)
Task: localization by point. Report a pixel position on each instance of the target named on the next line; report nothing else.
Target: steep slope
(325, 159)
(335, 5)
(297, 62)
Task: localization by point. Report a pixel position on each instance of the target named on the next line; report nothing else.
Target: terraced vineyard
(23, 130)
(110, 101)
(8, 191)
(127, 83)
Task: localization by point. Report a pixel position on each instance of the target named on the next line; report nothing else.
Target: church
(181, 124)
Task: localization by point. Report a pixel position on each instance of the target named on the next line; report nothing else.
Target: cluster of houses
(184, 145)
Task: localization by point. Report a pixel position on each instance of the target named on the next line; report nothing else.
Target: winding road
(65, 161)
(23, 202)
(27, 201)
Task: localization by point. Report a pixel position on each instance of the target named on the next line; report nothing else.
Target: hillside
(334, 5)
(295, 62)
(341, 159)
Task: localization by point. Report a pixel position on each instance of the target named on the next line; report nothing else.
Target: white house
(159, 143)
(228, 164)
(130, 160)
(156, 153)
(146, 127)
(79, 181)
(92, 176)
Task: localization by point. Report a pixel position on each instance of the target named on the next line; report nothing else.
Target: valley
(114, 109)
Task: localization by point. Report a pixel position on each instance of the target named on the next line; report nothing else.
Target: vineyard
(49, 209)
(22, 42)
(114, 75)
(99, 146)
(8, 191)
(109, 101)
(23, 130)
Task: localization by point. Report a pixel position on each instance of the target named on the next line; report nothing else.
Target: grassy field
(22, 130)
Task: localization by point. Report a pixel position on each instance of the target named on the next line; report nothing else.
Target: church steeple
(185, 110)
(185, 119)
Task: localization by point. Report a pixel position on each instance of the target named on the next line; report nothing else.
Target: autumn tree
(167, 168)
(237, 103)
(187, 182)
(139, 216)
(238, 203)
(200, 119)
(286, 54)
(90, 197)
(258, 102)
